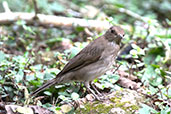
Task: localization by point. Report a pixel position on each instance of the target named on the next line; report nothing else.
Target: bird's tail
(45, 86)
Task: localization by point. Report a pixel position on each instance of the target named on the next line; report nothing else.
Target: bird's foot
(99, 94)
(93, 97)
(100, 98)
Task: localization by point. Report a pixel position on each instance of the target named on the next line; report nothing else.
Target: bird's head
(115, 33)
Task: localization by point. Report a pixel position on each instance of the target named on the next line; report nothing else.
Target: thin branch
(6, 7)
(35, 8)
(128, 12)
(117, 68)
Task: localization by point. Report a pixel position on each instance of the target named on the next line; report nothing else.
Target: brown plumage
(91, 62)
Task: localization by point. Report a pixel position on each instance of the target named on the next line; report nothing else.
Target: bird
(91, 62)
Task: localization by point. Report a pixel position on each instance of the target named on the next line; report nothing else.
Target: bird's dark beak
(120, 36)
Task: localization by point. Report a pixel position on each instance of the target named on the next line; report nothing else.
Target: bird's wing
(88, 55)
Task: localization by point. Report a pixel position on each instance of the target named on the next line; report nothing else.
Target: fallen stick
(51, 20)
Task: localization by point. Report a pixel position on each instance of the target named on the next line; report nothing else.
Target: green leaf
(48, 76)
(163, 73)
(155, 66)
(62, 97)
(119, 5)
(55, 6)
(36, 82)
(74, 52)
(2, 80)
(36, 67)
(58, 108)
(146, 109)
(74, 96)
(30, 77)
(54, 40)
(47, 93)
(40, 75)
(47, 105)
(79, 29)
(66, 108)
(29, 29)
(152, 54)
(152, 90)
(166, 110)
(19, 76)
(151, 76)
(134, 53)
(51, 42)
(2, 56)
(164, 36)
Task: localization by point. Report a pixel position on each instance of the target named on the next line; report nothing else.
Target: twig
(6, 7)
(35, 9)
(159, 90)
(116, 69)
(88, 32)
(4, 88)
(128, 12)
(26, 65)
(130, 69)
(148, 31)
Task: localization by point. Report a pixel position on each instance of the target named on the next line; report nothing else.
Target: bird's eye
(112, 31)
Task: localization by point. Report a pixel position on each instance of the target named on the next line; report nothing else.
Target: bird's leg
(81, 90)
(90, 90)
(96, 89)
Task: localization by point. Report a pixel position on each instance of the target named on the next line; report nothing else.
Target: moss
(121, 105)
(134, 107)
(95, 108)
(115, 99)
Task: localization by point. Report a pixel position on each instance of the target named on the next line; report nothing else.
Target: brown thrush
(91, 62)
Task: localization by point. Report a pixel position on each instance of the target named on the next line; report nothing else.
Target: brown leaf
(127, 83)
